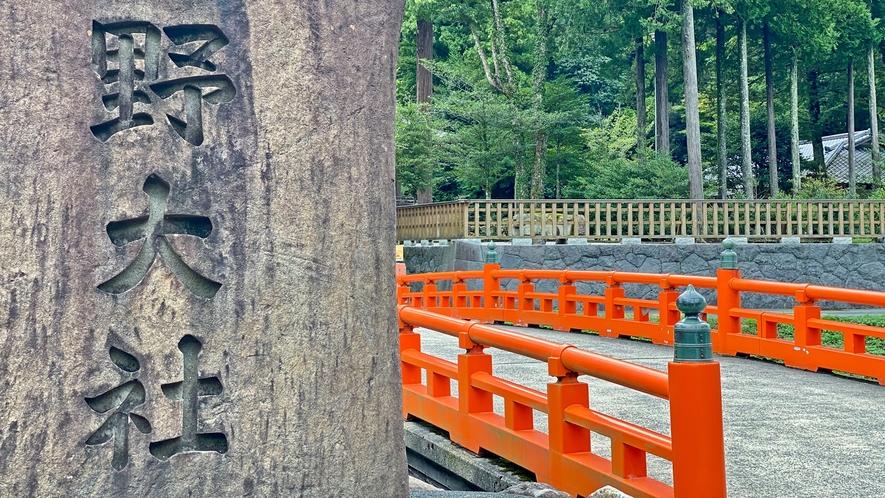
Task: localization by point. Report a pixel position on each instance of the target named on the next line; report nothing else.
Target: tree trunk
(640, 97)
(539, 76)
(852, 174)
(814, 113)
(662, 95)
(424, 85)
(721, 114)
(874, 114)
(746, 151)
(769, 95)
(521, 177)
(794, 125)
(558, 161)
(692, 118)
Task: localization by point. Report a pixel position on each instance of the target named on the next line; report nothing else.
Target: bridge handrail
(568, 309)
(562, 456)
(637, 377)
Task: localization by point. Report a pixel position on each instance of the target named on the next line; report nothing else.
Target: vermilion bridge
(785, 432)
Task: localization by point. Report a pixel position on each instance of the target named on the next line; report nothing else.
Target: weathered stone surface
(257, 333)
(609, 492)
(536, 490)
(840, 265)
(457, 467)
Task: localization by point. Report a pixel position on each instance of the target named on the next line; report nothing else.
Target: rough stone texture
(536, 490)
(457, 461)
(299, 359)
(860, 266)
(415, 483)
(609, 492)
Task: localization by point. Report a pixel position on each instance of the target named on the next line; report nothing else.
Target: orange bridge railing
(562, 456)
(614, 314)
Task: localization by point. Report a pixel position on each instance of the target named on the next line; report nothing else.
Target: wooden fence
(646, 219)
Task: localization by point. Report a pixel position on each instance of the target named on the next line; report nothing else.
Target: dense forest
(612, 99)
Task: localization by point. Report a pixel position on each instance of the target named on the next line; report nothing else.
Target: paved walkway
(788, 433)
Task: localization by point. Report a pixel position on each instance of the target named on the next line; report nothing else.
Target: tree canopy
(558, 99)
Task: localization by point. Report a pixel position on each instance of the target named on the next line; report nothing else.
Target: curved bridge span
(787, 432)
(642, 422)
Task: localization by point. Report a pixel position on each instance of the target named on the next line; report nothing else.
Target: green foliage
(821, 188)
(833, 339)
(615, 171)
(878, 193)
(656, 177)
(476, 136)
(415, 156)
(613, 138)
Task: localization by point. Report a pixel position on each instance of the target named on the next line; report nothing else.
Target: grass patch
(875, 345)
(588, 332)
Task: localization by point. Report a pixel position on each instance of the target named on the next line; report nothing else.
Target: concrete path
(788, 433)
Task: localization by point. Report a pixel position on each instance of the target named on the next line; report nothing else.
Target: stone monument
(196, 249)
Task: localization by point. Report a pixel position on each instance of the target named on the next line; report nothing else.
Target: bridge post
(491, 285)
(524, 303)
(564, 437)
(428, 297)
(805, 335)
(695, 406)
(566, 308)
(470, 399)
(401, 290)
(459, 299)
(411, 374)
(667, 317)
(613, 291)
(727, 299)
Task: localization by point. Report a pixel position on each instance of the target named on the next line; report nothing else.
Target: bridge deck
(787, 432)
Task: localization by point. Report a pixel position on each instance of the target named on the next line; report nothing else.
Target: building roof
(836, 156)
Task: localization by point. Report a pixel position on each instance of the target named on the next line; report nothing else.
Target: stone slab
(684, 240)
(631, 240)
(576, 242)
(842, 240)
(790, 240)
(182, 311)
(523, 241)
(463, 464)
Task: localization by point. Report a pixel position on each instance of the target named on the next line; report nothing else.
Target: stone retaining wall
(839, 265)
